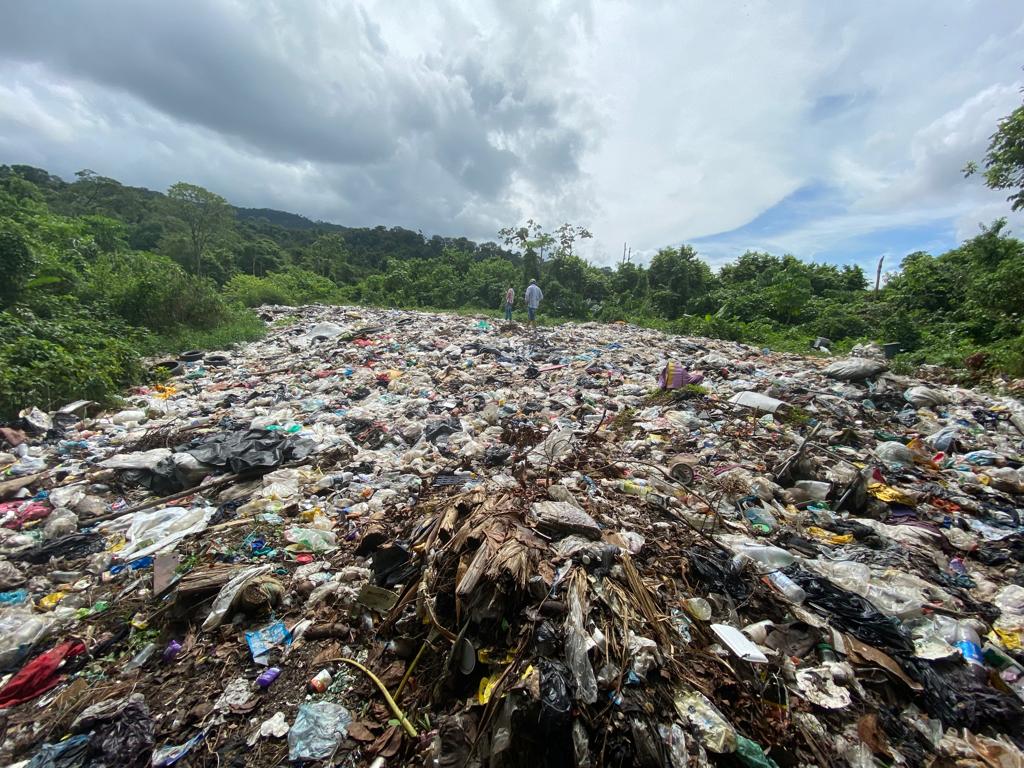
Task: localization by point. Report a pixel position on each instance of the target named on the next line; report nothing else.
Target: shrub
(152, 291)
(70, 354)
(289, 287)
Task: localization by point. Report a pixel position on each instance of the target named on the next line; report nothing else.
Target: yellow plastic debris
(890, 494)
(829, 537)
(49, 602)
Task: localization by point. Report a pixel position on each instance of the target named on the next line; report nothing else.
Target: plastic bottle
(760, 519)
(321, 681)
(787, 586)
(969, 645)
(141, 657)
(766, 557)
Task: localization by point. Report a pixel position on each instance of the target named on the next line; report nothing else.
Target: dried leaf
(388, 744)
(360, 732)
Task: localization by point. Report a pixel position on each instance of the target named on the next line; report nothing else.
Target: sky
(833, 131)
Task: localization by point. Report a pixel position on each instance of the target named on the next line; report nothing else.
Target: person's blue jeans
(508, 313)
(532, 312)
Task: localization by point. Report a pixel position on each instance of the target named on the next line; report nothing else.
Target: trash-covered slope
(394, 538)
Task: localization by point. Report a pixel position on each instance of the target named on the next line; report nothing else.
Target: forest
(98, 275)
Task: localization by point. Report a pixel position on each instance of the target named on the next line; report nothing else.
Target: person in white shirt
(533, 297)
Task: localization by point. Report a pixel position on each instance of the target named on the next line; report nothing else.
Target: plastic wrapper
(713, 730)
(317, 731)
(674, 739)
(578, 642)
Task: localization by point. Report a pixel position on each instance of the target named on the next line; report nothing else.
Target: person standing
(533, 297)
(510, 297)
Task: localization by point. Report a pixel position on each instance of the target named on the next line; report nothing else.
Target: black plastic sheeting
(72, 546)
(852, 613)
(714, 570)
(950, 693)
(953, 696)
(435, 430)
(253, 449)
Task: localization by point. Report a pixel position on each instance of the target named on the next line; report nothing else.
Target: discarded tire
(192, 356)
(169, 367)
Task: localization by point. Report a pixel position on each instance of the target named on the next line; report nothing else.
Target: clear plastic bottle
(969, 645)
(793, 591)
(766, 558)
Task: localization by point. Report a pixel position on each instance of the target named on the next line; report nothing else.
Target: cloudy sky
(834, 131)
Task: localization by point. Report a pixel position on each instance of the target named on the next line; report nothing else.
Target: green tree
(16, 262)
(678, 280)
(1004, 160)
(259, 256)
(207, 216)
(567, 235)
(329, 256)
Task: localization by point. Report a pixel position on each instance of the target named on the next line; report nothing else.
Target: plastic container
(267, 676)
(141, 657)
(761, 520)
(793, 591)
(321, 681)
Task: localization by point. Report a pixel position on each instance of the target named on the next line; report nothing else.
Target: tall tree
(678, 277)
(328, 256)
(1004, 160)
(568, 235)
(206, 215)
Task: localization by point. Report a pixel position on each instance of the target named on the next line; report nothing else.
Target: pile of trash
(392, 538)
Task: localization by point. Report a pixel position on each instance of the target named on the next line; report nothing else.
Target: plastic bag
(894, 453)
(310, 540)
(226, 597)
(577, 643)
(924, 397)
(19, 631)
(61, 522)
(855, 369)
(317, 731)
(153, 530)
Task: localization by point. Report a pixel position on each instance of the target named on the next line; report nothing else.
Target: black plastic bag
(254, 449)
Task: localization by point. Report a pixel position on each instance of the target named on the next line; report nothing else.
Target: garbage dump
(390, 538)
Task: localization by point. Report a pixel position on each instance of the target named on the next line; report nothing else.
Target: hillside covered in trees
(97, 273)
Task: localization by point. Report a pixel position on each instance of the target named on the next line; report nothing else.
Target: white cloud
(651, 123)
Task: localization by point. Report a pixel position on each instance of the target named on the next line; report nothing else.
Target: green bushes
(68, 354)
(154, 292)
(238, 325)
(16, 261)
(290, 287)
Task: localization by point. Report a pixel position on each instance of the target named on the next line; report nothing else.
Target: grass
(241, 326)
